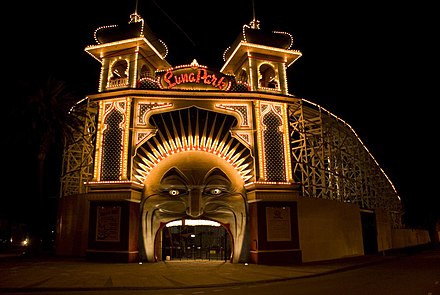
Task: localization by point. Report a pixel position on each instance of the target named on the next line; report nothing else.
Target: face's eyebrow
(174, 177)
(216, 177)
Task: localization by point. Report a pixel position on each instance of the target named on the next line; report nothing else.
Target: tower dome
(135, 28)
(252, 33)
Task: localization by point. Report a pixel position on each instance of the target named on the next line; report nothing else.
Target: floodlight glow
(193, 222)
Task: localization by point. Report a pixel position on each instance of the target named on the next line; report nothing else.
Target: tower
(127, 53)
(261, 58)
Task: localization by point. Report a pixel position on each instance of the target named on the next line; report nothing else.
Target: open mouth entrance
(195, 239)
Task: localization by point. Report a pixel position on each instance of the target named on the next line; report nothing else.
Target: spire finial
(255, 24)
(135, 17)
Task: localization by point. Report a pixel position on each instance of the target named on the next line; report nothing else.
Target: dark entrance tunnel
(195, 240)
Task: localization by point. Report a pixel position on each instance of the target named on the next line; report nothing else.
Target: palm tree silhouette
(42, 117)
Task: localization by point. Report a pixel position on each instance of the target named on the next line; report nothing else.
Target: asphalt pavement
(61, 274)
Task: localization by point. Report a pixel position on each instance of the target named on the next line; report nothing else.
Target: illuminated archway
(193, 168)
(194, 185)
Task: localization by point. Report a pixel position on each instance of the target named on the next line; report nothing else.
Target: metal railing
(194, 252)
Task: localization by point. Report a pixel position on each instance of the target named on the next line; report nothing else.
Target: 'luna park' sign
(194, 77)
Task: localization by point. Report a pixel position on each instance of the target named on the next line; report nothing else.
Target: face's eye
(215, 191)
(173, 192)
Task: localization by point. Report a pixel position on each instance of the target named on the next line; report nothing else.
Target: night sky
(369, 63)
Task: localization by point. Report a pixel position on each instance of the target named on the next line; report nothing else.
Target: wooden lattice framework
(77, 166)
(330, 161)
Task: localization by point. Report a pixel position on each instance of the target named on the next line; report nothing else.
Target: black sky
(369, 63)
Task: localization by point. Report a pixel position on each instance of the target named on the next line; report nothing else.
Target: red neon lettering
(172, 80)
(191, 77)
(199, 72)
(221, 84)
(167, 78)
(214, 80)
(185, 78)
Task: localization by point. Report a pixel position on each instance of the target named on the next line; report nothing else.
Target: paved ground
(29, 274)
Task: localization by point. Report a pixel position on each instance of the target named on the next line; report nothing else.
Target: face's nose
(195, 208)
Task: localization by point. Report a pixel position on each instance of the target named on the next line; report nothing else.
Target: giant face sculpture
(194, 184)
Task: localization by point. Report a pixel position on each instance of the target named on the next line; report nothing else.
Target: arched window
(145, 72)
(267, 74)
(119, 69)
(119, 74)
(243, 76)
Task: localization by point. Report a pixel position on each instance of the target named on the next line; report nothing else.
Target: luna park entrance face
(195, 240)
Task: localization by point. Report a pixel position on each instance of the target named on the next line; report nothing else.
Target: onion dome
(136, 28)
(253, 34)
